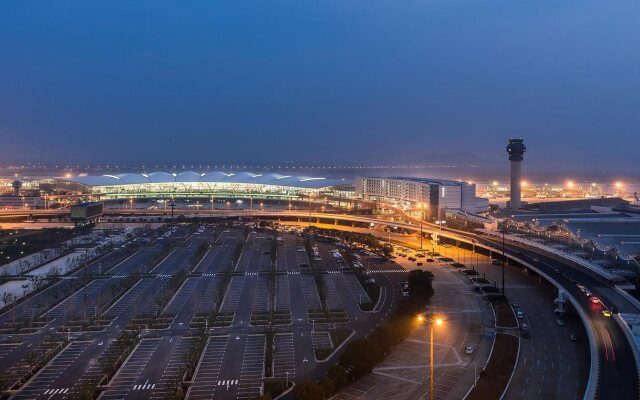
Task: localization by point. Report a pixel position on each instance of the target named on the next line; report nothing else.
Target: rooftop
(244, 177)
(429, 181)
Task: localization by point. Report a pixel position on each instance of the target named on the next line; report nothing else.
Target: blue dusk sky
(321, 81)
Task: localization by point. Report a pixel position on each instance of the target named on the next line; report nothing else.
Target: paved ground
(232, 364)
(404, 374)
(549, 366)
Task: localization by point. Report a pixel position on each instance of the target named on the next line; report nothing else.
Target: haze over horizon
(332, 82)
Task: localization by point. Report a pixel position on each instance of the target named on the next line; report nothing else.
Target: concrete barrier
(628, 334)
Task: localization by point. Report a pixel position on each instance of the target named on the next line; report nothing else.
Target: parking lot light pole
(437, 322)
(504, 262)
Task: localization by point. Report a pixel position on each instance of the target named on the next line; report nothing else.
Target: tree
(327, 386)
(308, 391)
(6, 298)
(387, 250)
(420, 285)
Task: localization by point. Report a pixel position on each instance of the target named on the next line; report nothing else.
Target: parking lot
(251, 373)
(172, 370)
(43, 384)
(205, 382)
(232, 363)
(130, 373)
(284, 365)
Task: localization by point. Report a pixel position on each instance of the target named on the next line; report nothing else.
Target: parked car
(520, 314)
(468, 350)
(495, 261)
(574, 337)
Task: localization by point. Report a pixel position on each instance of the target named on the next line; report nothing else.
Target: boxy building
(86, 212)
(435, 194)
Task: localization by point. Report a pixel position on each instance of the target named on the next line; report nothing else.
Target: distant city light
(570, 184)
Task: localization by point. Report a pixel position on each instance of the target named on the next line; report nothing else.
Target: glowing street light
(422, 207)
(437, 321)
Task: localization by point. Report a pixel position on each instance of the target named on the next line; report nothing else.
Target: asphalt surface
(232, 365)
(618, 374)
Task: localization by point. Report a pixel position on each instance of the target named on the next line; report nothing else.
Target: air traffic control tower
(516, 151)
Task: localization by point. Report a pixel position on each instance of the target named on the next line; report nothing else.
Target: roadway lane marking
(56, 391)
(606, 339)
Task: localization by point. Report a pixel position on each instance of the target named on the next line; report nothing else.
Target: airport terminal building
(435, 194)
(193, 184)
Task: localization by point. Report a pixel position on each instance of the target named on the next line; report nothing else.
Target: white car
(468, 350)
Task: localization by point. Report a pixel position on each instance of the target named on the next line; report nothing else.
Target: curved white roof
(133, 178)
(242, 177)
(161, 177)
(188, 176)
(215, 176)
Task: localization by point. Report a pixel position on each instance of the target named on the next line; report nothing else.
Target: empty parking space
(206, 298)
(69, 307)
(311, 298)
(355, 288)
(321, 340)
(333, 298)
(169, 265)
(43, 383)
(206, 377)
(6, 349)
(261, 296)
(234, 292)
(124, 380)
(251, 374)
(130, 298)
(172, 371)
(283, 302)
(284, 365)
(186, 293)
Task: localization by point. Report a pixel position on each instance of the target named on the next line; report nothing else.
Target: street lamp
(310, 199)
(436, 321)
(421, 207)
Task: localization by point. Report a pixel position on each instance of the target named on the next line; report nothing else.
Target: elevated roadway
(614, 375)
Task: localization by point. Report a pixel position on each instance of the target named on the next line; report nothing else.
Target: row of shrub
(362, 355)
